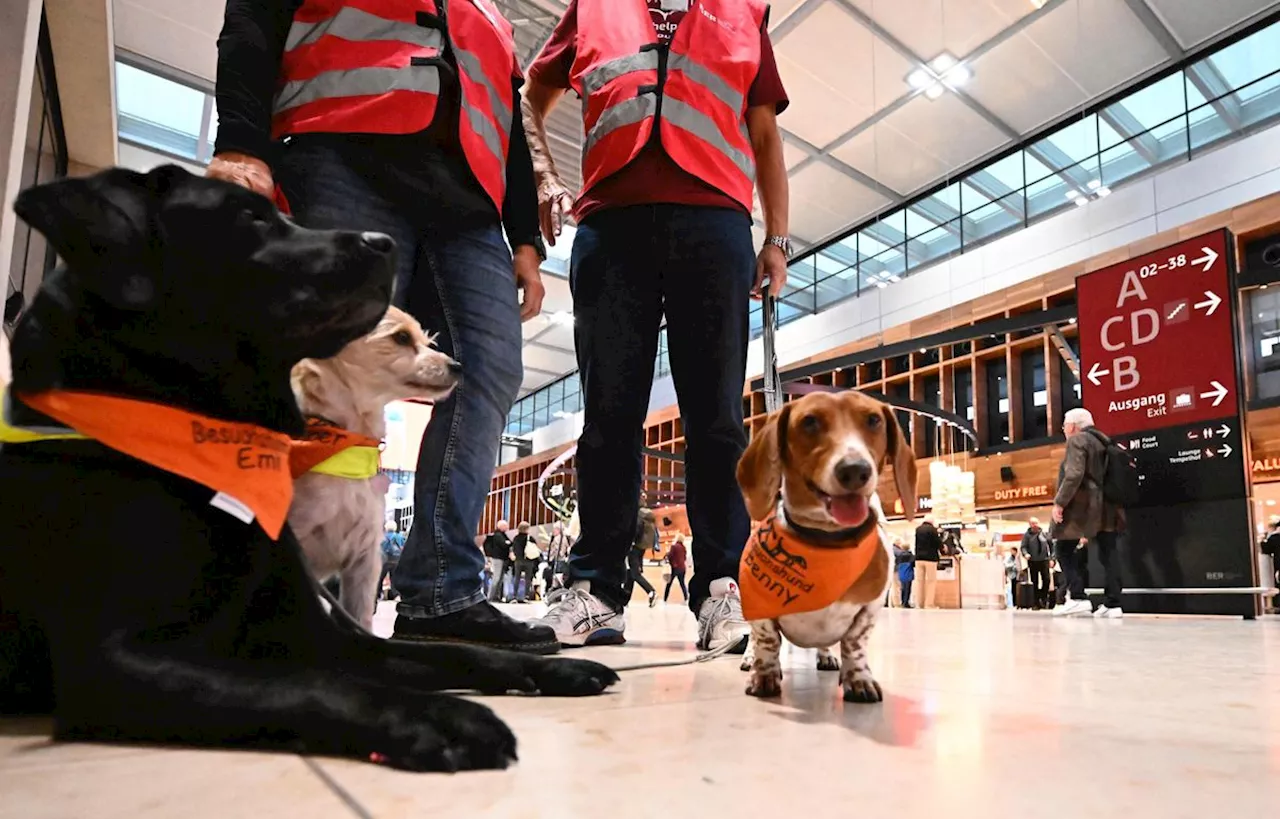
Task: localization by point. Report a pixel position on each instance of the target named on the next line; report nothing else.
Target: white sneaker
(1104, 613)
(1074, 608)
(579, 618)
(720, 620)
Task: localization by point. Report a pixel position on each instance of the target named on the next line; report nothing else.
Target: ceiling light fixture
(939, 74)
(919, 79)
(1103, 191)
(1094, 184)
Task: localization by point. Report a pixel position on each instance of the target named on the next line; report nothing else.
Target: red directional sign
(1157, 347)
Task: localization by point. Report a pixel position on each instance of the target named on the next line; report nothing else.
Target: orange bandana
(321, 442)
(247, 465)
(780, 575)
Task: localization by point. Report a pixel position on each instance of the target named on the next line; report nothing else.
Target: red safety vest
(373, 66)
(694, 94)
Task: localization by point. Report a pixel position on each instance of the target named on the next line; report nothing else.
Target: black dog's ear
(99, 225)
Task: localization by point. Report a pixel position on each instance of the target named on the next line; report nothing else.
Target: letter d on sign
(1126, 370)
(1136, 321)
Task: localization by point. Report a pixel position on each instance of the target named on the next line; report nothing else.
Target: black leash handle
(772, 382)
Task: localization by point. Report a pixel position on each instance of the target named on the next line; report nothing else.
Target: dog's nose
(853, 473)
(379, 242)
(455, 367)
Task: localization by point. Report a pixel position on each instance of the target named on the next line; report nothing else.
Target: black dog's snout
(853, 473)
(378, 242)
(455, 367)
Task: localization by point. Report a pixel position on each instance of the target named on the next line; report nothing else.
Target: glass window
(962, 402)
(159, 112)
(1035, 396)
(995, 219)
(44, 159)
(902, 392)
(835, 288)
(1070, 396)
(997, 372)
(934, 245)
(1264, 333)
(1253, 58)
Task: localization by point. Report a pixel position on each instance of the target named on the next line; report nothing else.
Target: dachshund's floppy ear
(904, 463)
(100, 226)
(760, 470)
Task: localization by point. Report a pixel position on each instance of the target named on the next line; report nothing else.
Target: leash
(704, 657)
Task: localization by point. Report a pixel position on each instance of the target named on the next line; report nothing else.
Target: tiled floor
(987, 714)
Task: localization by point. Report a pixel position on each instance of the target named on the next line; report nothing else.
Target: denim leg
(465, 290)
(327, 190)
(706, 277)
(617, 312)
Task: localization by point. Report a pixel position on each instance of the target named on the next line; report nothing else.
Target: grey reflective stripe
(628, 112)
(703, 127)
(357, 82)
(708, 79)
(487, 132)
(471, 64)
(612, 70)
(361, 26)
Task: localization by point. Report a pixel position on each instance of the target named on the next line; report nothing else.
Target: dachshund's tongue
(849, 510)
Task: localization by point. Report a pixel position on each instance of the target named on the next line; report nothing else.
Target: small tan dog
(818, 565)
(339, 499)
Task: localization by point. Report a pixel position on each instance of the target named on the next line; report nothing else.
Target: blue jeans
(630, 267)
(457, 280)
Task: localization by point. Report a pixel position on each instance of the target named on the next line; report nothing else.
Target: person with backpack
(392, 548)
(1095, 475)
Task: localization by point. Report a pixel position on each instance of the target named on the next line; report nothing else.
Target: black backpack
(1121, 485)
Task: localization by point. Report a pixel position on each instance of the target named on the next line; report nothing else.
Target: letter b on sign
(1126, 373)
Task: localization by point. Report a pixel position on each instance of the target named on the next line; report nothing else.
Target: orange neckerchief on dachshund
(332, 450)
(779, 574)
(245, 464)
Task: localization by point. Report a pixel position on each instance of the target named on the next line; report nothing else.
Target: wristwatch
(781, 242)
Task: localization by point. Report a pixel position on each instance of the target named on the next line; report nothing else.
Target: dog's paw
(828, 662)
(862, 688)
(571, 678)
(443, 733)
(748, 656)
(765, 684)
(745, 665)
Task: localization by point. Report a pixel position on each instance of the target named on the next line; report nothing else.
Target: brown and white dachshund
(818, 565)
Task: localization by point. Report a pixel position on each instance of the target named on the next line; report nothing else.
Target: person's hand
(529, 280)
(1057, 513)
(771, 266)
(243, 170)
(555, 206)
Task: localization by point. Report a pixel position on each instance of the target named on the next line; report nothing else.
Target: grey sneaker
(720, 620)
(579, 618)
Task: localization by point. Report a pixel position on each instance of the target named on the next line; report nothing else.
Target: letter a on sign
(1131, 287)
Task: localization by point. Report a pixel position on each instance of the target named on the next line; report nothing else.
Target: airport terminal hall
(629, 409)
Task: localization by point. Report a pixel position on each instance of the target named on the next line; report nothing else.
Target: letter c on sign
(1106, 343)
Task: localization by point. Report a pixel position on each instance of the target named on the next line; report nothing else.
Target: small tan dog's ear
(760, 469)
(305, 378)
(904, 463)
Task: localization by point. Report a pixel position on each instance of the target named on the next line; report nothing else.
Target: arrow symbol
(1218, 393)
(1094, 373)
(1207, 259)
(1226, 450)
(1224, 430)
(1211, 301)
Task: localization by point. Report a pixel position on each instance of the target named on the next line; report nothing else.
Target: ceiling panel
(1099, 44)
(1194, 21)
(930, 27)
(837, 73)
(823, 200)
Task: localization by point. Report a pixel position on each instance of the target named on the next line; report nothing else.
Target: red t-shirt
(652, 177)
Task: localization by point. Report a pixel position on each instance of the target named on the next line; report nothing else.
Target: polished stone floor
(986, 714)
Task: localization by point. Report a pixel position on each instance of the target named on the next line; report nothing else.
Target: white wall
(1232, 175)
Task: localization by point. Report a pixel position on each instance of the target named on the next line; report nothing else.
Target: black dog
(129, 606)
